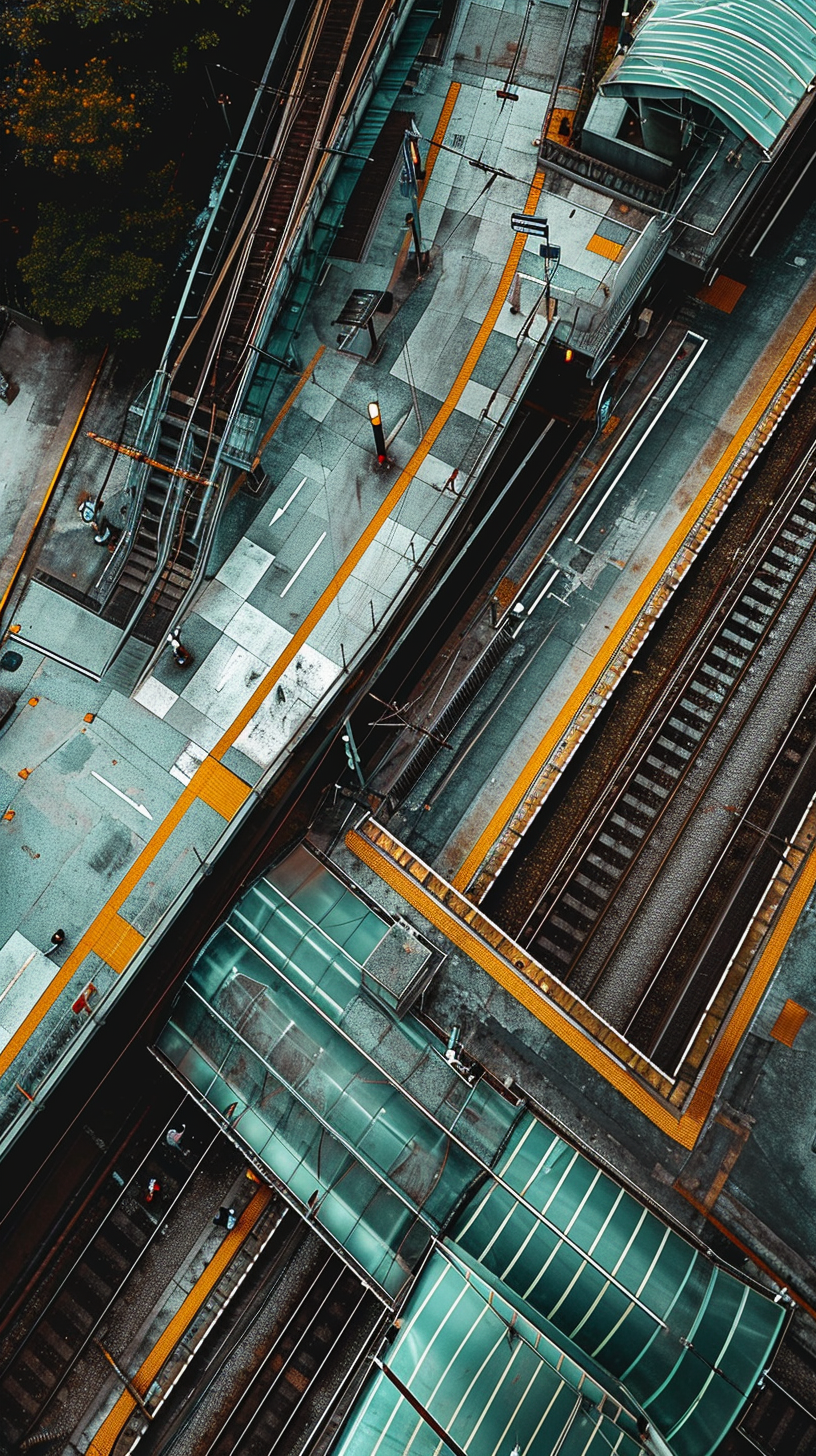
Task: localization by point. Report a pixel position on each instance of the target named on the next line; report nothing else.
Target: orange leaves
(73, 122)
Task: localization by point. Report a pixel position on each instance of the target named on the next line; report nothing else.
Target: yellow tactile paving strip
(604, 246)
(724, 293)
(200, 786)
(117, 942)
(789, 1022)
(220, 788)
(516, 793)
(554, 132)
(113, 1425)
(685, 1127)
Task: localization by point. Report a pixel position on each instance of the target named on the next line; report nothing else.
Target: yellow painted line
(287, 404)
(604, 246)
(615, 637)
(200, 785)
(112, 1426)
(684, 1128)
(746, 1008)
(393, 497)
(433, 152)
(54, 480)
(681, 1129)
(86, 945)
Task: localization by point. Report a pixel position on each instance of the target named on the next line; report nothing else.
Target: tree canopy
(106, 106)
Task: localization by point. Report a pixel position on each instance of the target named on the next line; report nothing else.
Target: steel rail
(674, 688)
(701, 793)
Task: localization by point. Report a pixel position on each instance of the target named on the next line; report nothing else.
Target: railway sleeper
(627, 830)
(782, 573)
(710, 698)
(581, 915)
(652, 790)
(732, 658)
(548, 951)
(61, 1346)
(688, 725)
(770, 588)
(723, 683)
(807, 527)
(27, 1382)
(730, 635)
(563, 934)
(681, 736)
(616, 855)
(16, 1395)
(67, 1327)
(783, 555)
(754, 624)
(645, 794)
(595, 876)
(801, 540)
(558, 944)
(43, 1372)
(637, 813)
(764, 609)
(589, 894)
(704, 712)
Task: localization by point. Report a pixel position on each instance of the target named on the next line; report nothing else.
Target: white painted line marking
(317, 543)
(236, 657)
(279, 512)
(140, 808)
(15, 978)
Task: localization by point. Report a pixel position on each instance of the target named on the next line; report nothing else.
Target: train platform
(115, 802)
(183, 1317)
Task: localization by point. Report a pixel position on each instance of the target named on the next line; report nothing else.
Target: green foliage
(100, 268)
(100, 98)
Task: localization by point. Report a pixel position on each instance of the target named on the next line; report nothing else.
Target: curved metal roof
(750, 61)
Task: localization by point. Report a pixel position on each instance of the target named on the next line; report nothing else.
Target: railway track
(577, 925)
(54, 1344)
(322, 1314)
(293, 1363)
(777, 1424)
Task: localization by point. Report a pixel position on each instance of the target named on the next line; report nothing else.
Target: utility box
(399, 968)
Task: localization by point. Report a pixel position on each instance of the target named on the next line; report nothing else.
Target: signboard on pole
(537, 227)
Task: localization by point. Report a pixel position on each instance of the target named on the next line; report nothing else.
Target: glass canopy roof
(750, 61)
(578, 1305)
(466, 1363)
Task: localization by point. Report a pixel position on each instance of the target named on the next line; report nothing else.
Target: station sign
(537, 227)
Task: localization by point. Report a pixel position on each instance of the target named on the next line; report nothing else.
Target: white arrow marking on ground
(279, 512)
(140, 808)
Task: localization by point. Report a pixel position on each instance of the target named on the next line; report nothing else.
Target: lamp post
(415, 155)
(411, 171)
(379, 438)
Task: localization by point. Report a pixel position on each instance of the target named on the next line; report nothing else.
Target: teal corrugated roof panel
(750, 62)
(464, 1363)
(689, 1340)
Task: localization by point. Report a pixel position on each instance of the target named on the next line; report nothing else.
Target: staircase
(163, 540)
